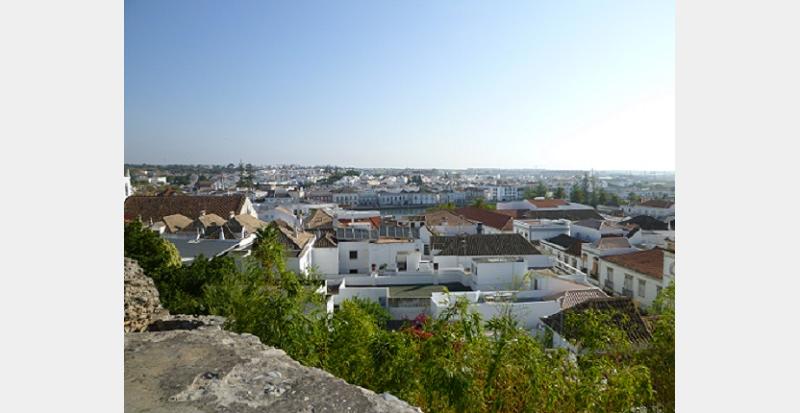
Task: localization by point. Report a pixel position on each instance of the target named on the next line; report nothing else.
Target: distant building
(128, 186)
(502, 193)
(543, 205)
(657, 208)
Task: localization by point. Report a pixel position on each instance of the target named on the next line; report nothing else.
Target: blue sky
(448, 84)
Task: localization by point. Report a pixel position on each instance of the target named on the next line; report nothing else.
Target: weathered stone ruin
(179, 363)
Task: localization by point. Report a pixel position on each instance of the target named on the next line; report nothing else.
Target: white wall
(368, 293)
(448, 230)
(453, 261)
(515, 205)
(618, 275)
(527, 313)
(301, 263)
(326, 260)
(361, 263)
(584, 233)
(497, 275)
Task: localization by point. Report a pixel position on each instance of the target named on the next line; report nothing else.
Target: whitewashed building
(657, 208)
(539, 229)
(639, 275)
(459, 251)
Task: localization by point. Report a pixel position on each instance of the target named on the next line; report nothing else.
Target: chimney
(231, 215)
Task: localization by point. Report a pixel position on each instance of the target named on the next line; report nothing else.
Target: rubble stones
(142, 305)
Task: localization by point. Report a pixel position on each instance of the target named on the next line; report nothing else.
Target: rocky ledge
(185, 364)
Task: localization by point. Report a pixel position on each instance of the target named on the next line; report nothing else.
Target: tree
(480, 202)
(600, 197)
(448, 206)
(634, 198)
(151, 251)
(577, 194)
(559, 193)
(245, 176)
(268, 250)
(443, 364)
(659, 357)
(540, 190)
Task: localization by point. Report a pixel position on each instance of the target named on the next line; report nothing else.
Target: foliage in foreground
(454, 363)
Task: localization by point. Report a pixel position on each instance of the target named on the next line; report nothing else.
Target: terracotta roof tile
(483, 245)
(649, 262)
(157, 207)
(548, 203)
(441, 218)
(493, 219)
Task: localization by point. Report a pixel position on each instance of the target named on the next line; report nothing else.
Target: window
(353, 271)
(426, 249)
(658, 290)
(642, 284)
(353, 255)
(628, 282)
(609, 272)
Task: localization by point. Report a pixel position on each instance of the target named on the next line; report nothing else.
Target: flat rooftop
(489, 260)
(423, 290)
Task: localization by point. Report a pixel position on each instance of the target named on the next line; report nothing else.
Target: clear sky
(448, 84)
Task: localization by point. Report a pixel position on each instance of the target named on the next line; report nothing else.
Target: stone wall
(142, 305)
(179, 363)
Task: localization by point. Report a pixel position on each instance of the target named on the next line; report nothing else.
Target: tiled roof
(375, 221)
(649, 262)
(611, 243)
(176, 222)
(250, 223)
(569, 214)
(326, 240)
(493, 219)
(564, 240)
(319, 219)
(483, 244)
(574, 297)
(211, 220)
(444, 217)
(647, 222)
(658, 203)
(547, 203)
(292, 244)
(626, 317)
(156, 207)
(590, 223)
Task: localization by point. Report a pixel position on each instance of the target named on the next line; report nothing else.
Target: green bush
(454, 363)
